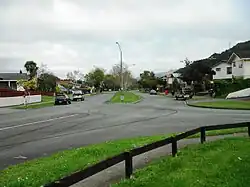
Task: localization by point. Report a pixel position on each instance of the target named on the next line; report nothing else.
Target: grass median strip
(129, 97)
(224, 163)
(224, 104)
(47, 169)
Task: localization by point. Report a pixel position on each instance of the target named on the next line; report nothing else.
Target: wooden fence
(128, 156)
(13, 93)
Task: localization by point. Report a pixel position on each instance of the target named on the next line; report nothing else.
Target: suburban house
(238, 65)
(9, 80)
(170, 76)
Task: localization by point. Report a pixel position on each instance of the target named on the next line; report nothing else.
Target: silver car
(153, 92)
(78, 96)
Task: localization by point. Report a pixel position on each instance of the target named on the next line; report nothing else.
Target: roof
(13, 76)
(243, 54)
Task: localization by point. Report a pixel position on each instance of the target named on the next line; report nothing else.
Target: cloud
(81, 34)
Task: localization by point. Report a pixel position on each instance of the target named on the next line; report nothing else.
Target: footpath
(116, 173)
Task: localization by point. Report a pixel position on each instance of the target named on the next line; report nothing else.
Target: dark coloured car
(62, 99)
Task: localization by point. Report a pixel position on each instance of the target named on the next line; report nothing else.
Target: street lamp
(121, 70)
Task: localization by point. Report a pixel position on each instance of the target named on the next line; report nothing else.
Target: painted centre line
(36, 122)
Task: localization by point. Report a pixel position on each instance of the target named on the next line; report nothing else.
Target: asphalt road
(28, 134)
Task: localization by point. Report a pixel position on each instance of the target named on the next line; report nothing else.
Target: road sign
(122, 98)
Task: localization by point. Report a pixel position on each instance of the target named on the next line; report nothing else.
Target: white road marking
(20, 157)
(36, 122)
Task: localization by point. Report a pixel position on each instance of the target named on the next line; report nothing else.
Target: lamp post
(121, 65)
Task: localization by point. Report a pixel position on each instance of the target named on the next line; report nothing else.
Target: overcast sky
(81, 34)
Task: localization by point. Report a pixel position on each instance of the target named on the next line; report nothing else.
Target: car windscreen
(60, 97)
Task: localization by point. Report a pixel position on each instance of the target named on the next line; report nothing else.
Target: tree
(95, 77)
(148, 80)
(31, 68)
(47, 82)
(196, 72)
(42, 69)
(127, 75)
(110, 82)
(28, 84)
(75, 76)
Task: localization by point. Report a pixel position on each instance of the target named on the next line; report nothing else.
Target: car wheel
(69, 102)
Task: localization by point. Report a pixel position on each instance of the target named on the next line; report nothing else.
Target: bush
(224, 87)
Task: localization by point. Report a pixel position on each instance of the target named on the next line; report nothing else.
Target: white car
(153, 92)
(78, 95)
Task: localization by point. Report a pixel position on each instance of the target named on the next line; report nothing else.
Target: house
(170, 76)
(9, 80)
(238, 65)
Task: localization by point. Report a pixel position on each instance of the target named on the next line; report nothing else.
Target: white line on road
(36, 122)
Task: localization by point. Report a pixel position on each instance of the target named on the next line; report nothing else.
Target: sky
(155, 35)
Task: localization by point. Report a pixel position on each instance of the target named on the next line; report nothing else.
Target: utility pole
(121, 66)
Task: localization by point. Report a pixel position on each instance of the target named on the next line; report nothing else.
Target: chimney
(21, 72)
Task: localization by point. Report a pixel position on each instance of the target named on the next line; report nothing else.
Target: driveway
(34, 133)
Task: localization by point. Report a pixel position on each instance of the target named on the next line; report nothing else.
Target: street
(35, 133)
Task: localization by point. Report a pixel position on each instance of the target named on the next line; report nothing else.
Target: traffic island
(125, 97)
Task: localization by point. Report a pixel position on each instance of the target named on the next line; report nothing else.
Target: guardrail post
(174, 147)
(203, 134)
(248, 127)
(128, 165)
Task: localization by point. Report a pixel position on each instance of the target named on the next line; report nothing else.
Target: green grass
(129, 97)
(46, 101)
(224, 104)
(38, 172)
(47, 169)
(223, 163)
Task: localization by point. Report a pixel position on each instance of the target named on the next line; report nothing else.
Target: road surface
(35, 133)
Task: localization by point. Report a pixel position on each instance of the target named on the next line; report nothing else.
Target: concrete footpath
(115, 173)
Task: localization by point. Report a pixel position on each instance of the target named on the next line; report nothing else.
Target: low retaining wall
(12, 101)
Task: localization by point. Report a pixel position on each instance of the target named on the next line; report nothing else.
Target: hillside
(241, 49)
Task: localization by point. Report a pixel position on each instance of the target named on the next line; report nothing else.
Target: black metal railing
(128, 156)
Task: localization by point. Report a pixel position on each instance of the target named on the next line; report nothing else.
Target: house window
(229, 70)
(241, 65)
(217, 69)
(234, 64)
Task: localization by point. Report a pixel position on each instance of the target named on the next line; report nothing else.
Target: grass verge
(224, 163)
(47, 169)
(46, 101)
(41, 171)
(224, 104)
(129, 97)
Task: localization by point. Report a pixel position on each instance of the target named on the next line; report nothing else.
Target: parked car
(184, 94)
(153, 92)
(78, 95)
(62, 99)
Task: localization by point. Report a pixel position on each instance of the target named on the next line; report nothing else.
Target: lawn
(47, 169)
(129, 97)
(224, 163)
(224, 104)
(46, 101)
